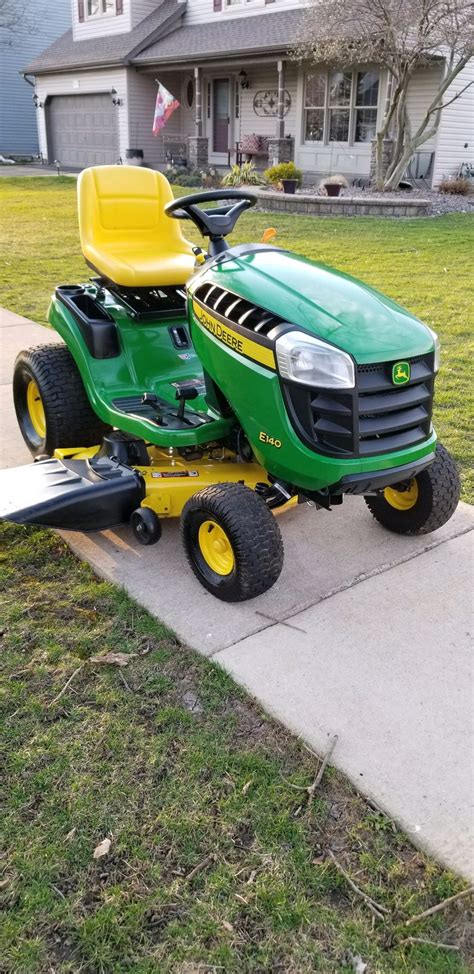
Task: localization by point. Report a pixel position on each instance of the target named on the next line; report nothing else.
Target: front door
(220, 115)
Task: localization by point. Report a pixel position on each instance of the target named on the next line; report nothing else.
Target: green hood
(325, 302)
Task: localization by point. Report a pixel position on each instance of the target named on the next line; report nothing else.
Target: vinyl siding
(421, 92)
(18, 130)
(84, 82)
(99, 26)
(456, 128)
(202, 11)
(142, 91)
(264, 78)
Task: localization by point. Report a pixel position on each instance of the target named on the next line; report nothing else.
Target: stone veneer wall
(340, 206)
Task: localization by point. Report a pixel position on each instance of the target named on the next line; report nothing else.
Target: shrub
(456, 187)
(175, 174)
(244, 175)
(284, 170)
(189, 180)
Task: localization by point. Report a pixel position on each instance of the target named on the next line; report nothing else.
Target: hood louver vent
(236, 310)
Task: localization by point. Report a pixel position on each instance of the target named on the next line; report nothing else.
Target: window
(315, 102)
(340, 106)
(100, 8)
(340, 84)
(189, 93)
(367, 96)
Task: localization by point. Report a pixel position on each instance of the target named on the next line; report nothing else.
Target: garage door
(82, 130)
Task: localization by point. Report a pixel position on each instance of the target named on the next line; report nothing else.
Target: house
(227, 63)
(39, 23)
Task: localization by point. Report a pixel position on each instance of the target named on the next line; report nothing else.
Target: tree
(14, 17)
(401, 36)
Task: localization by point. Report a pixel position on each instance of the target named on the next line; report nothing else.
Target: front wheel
(232, 541)
(424, 503)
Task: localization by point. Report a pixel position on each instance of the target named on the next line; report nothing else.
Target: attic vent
(235, 309)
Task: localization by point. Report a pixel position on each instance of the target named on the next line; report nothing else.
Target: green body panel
(329, 304)
(324, 302)
(148, 362)
(256, 398)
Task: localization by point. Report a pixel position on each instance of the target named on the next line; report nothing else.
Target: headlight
(310, 361)
(437, 349)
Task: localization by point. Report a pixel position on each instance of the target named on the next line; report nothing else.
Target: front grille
(375, 417)
(235, 309)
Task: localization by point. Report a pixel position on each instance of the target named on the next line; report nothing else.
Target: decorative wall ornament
(265, 102)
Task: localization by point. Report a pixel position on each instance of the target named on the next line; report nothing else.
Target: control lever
(184, 392)
(150, 399)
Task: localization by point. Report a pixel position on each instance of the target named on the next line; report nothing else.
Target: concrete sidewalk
(365, 635)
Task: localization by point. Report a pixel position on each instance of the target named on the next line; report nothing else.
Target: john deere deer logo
(400, 373)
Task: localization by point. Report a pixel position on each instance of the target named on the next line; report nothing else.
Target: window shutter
(118, 7)
(80, 10)
(217, 4)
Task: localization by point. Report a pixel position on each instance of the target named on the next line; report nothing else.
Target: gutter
(209, 56)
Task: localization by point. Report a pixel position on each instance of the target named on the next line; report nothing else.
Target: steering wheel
(218, 221)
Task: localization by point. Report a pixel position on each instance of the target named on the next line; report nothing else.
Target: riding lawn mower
(220, 386)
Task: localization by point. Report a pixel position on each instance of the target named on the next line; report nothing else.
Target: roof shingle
(66, 53)
(271, 31)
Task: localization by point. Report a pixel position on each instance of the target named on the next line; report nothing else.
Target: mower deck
(80, 490)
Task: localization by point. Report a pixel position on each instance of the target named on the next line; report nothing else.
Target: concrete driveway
(365, 635)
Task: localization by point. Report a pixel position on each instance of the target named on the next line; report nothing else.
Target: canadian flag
(166, 104)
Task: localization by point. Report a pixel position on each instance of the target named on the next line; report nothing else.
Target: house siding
(421, 92)
(18, 129)
(202, 11)
(264, 78)
(142, 91)
(456, 128)
(100, 26)
(84, 82)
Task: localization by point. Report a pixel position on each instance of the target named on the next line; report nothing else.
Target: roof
(102, 51)
(271, 31)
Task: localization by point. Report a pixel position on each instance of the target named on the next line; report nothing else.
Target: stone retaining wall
(340, 205)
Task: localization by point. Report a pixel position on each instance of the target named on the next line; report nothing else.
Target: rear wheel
(424, 503)
(51, 404)
(232, 541)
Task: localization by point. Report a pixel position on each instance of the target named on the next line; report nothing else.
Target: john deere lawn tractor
(220, 386)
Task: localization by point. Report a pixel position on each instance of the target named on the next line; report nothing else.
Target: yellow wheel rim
(402, 500)
(216, 548)
(35, 406)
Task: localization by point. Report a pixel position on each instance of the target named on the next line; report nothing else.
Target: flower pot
(289, 185)
(332, 189)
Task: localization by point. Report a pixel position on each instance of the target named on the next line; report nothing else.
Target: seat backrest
(121, 205)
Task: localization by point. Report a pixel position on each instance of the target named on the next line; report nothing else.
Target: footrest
(78, 495)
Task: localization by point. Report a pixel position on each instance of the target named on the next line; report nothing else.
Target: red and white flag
(166, 104)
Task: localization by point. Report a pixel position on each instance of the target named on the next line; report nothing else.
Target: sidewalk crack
(357, 580)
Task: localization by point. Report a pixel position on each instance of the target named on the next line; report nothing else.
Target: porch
(228, 113)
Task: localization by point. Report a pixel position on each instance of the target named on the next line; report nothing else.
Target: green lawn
(218, 860)
(425, 264)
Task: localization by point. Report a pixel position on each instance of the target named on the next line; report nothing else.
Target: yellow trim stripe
(233, 339)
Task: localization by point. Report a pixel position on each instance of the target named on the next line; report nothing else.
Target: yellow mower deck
(170, 480)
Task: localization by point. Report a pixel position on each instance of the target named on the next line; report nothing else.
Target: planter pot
(289, 185)
(332, 189)
(134, 157)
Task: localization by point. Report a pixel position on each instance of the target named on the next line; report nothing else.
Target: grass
(425, 264)
(174, 763)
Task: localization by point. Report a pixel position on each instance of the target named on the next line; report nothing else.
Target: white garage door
(82, 130)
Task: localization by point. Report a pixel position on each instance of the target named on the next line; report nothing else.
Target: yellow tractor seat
(126, 236)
